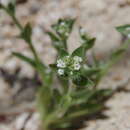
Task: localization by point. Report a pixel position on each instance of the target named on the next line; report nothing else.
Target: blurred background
(18, 81)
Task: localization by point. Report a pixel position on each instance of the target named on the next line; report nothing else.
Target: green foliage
(25, 58)
(63, 27)
(56, 41)
(79, 52)
(77, 94)
(27, 33)
(62, 30)
(62, 53)
(28, 60)
(125, 29)
(11, 8)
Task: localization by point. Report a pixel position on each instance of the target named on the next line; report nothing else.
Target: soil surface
(18, 81)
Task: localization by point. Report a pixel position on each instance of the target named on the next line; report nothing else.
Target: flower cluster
(62, 29)
(68, 65)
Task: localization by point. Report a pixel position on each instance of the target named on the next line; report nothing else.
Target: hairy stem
(21, 28)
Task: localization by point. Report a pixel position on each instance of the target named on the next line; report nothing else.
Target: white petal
(77, 66)
(60, 71)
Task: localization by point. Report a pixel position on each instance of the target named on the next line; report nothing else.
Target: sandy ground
(99, 19)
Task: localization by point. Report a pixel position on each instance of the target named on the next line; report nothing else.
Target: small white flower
(77, 66)
(62, 23)
(61, 63)
(60, 71)
(77, 59)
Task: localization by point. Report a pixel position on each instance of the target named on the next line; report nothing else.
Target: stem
(61, 109)
(20, 27)
(17, 22)
(44, 127)
(70, 88)
(13, 17)
(113, 61)
(65, 44)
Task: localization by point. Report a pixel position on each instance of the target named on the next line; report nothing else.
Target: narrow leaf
(63, 53)
(11, 8)
(56, 42)
(25, 58)
(79, 52)
(89, 44)
(119, 52)
(1, 6)
(80, 80)
(53, 36)
(125, 29)
(27, 32)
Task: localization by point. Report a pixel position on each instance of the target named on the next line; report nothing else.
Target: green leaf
(82, 96)
(28, 60)
(63, 53)
(78, 111)
(102, 93)
(53, 36)
(27, 33)
(1, 6)
(79, 52)
(82, 110)
(56, 42)
(125, 29)
(11, 8)
(89, 44)
(47, 76)
(83, 48)
(116, 55)
(80, 80)
(83, 35)
(90, 71)
(87, 41)
(25, 58)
